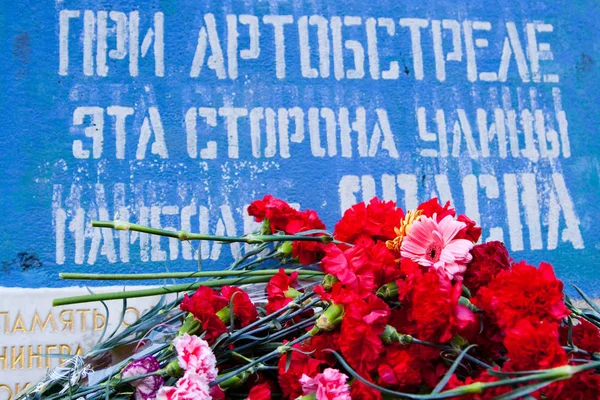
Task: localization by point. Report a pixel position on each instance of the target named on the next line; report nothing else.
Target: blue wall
(158, 112)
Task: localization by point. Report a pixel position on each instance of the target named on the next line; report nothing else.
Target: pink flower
(190, 387)
(329, 385)
(196, 357)
(432, 244)
(146, 388)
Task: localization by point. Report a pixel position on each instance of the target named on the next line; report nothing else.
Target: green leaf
(587, 299)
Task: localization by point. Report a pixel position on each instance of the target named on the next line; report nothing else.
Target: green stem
(186, 287)
(181, 275)
(183, 235)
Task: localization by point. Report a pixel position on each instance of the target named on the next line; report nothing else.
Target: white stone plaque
(30, 327)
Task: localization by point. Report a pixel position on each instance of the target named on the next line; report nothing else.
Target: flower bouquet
(391, 305)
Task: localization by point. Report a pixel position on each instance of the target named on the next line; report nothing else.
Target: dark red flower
(586, 336)
(488, 260)
(216, 393)
(487, 336)
(243, 308)
(363, 323)
(261, 391)
(433, 307)
(433, 206)
(278, 290)
(533, 346)
(375, 221)
(524, 292)
(204, 305)
(276, 211)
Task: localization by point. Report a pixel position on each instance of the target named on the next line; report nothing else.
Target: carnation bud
(328, 281)
(239, 379)
(389, 291)
(466, 292)
(558, 373)
(331, 317)
(286, 249)
(265, 228)
(391, 335)
(174, 369)
(459, 342)
(190, 325)
(224, 314)
(291, 293)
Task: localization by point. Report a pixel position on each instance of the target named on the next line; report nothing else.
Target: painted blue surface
(43, 183)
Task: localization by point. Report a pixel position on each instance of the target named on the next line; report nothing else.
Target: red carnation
(375, 221)
(339, 294)
(243, 308)
(532, 346)
(322, 341)
(303, 221)
(351, 267)
(523, 292)
(586, 336)
(216, 393)
(488, 260)
(260, 392)
(204, 305)
(470, 232)
(405, 367)
(383, 264)
(289, 375)
(306, 252)
(582, 386)
(283, 218)
(483, 377)
(278, 290)
(359, 390)
(364, 267)
(363, 323)
(276, 211)
(434, 309)
(433, 206)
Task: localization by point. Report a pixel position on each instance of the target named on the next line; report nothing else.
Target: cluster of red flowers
(403, 294)
(281, 217)
(213, 309)
(513, 311)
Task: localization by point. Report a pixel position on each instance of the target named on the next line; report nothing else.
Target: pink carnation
(329, 385)
(190, 387)
(196, 357)
(433, 244)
